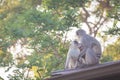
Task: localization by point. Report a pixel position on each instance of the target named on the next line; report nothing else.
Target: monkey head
(77, 45)
(80, 33)
(74, 43)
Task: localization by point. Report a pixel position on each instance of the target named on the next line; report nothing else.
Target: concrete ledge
(105, 71)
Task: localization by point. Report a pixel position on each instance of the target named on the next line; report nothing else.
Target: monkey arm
(82, 52)
(82, 49)
(84, 46)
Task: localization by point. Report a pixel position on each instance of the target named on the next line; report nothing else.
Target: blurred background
(35, 34)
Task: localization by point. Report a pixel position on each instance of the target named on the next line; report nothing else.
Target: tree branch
(85, 20)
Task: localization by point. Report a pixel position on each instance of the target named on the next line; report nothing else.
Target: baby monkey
(73, 55)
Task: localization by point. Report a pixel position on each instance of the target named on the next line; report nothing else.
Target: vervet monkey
(72, 56)
(91, 52)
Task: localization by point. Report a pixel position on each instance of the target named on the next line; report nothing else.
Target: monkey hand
(80, 46)
(80, 59)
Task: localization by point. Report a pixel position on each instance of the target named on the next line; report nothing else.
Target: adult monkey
(91, 53)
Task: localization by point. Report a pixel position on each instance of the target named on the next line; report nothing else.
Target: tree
(77, 11)
(40, 30)
(40, 25)
(112, 51)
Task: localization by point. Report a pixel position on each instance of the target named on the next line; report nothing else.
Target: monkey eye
(75, 42)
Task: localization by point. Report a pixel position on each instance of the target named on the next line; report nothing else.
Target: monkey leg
(80, 63)
(91, 58)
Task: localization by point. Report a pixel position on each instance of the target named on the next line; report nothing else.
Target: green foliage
(106, 58)
(1, 78)
(112, 51)
(16, 77)
(41, 24)
(64, 4)
(115, 12)
(115, 30)
(5, 58)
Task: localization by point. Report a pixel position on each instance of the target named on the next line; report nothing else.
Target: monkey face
(77, 45)
(74, 44)
(80, 32)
